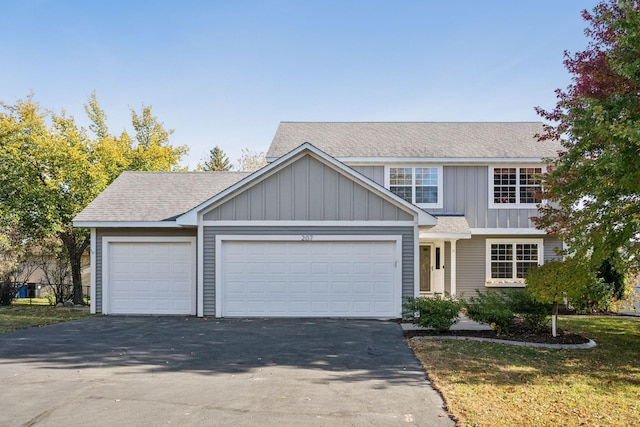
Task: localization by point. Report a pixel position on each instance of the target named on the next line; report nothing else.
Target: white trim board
(127, 224)
(444, 236)
(221, 238)
(106, 240)
(213, 223)
(93, 269)
(506, 231)
(378, 161)
(200, 272)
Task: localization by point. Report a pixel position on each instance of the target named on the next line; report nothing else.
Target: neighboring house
(35, 274)
(347, 220)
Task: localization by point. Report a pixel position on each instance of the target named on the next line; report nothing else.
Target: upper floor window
(514, 186)
(421, 186)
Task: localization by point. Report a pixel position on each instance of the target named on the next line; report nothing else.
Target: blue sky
(227, 72)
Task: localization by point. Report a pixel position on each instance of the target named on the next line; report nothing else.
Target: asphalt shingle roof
(416, 139)
(451, 225)
(156, 196)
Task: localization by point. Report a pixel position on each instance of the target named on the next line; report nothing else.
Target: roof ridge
(182, 172)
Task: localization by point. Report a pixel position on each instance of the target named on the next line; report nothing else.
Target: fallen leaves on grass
(488, 384)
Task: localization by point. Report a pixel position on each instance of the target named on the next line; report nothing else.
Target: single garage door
(151, 278)
(309, 279)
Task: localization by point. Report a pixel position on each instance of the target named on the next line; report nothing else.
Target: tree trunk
(75, 243)
(554, 319)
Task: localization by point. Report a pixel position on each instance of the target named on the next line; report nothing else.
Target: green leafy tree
(217, 161)
(16, 267)
(555, 280)
(593, 187)
(50, 169)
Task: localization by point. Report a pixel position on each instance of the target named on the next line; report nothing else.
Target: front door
(425, 269)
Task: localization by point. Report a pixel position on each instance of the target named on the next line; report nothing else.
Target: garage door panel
(326, 278)
(320, 268)
(138, 250)
(321, 288)
(151, 277)
(319, 307)
(341, 288)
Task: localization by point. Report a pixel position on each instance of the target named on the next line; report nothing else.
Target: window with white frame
(514, 186)
(509, 260)
(421, 186)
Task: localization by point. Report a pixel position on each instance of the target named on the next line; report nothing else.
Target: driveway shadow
(366, 349)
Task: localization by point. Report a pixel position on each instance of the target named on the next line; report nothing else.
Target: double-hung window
(420, 185)
(509, 260)
(514, 186)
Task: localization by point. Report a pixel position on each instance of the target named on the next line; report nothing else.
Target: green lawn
(17, 317)
(487, 384)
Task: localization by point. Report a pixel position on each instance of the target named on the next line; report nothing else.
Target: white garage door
(309, 279)
(151, 278)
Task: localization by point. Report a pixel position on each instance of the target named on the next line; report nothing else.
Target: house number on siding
(307, 237)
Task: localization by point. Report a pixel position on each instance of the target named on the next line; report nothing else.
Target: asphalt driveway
(190, 371)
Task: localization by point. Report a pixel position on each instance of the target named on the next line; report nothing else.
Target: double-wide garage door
(151, 277)
(308, 279)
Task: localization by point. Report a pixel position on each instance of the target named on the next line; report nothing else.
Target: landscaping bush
(490, 308)
(597, 297)
(437, 312)
(525, 306)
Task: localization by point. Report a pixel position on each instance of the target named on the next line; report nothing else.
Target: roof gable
(191, 217)
(433, 140)
(308, 190)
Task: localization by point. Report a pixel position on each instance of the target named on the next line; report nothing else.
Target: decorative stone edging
(586, 345)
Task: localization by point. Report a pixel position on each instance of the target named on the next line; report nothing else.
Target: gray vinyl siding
(374, 173)
(470, 263)
(307, 190)
(552, 246)
(155, 232)
(466, 190)
(209, 276)
(471, 260)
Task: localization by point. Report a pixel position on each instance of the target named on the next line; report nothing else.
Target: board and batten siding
(129, 232)
(209, 255)
(307, 190)
(471, 260)
(374, 173)
(466, 190)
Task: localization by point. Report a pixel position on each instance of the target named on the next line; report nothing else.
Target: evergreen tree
(217, 161)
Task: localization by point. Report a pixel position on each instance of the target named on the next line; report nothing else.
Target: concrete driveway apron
(142, 371)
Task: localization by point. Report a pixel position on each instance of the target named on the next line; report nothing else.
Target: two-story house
(346, 220)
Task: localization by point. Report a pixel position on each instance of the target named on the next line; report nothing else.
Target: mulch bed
(517, 333)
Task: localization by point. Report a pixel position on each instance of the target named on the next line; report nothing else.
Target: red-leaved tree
(594, 186)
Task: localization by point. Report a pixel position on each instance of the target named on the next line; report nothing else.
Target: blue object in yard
(22, 291)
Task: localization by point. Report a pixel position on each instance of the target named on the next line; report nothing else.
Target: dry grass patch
(18, 317)
(31, 301)
(487, 384)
